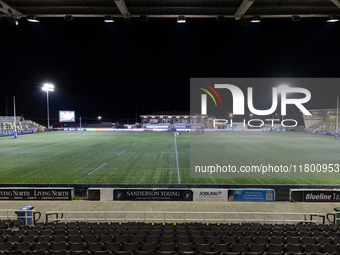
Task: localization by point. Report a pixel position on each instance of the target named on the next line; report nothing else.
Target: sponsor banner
(314, 195)
(36, 193)
(215, 195)
(157, 129)
(70, 129)
(10, 133)
(27, 131)
(153, 195)
(114, 129)
(251, 195)
(279, 130)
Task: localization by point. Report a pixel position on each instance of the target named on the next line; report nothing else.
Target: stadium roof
(235, 9)
(167, 113)
(324, 111)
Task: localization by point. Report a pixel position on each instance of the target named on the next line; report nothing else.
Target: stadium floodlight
(181, 19)
(32, 18)
(48, 87)
(334, 18)
(256, 19)
(108, 19)
(279, 88)
(99, 117)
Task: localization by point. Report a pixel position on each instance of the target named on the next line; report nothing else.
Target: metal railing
(221, 217)
(6, 214)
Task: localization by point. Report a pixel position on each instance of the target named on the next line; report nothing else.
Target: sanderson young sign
(153, 194)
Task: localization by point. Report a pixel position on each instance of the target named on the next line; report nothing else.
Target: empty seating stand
(134, 238)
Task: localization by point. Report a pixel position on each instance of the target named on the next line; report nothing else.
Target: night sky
(108, 70)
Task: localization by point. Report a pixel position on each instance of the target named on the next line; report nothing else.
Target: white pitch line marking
(179, 178)
(21, 146)
(231, 153)
(133, 144)
(51, 145)
(174, 152)
(121, 152)
(96, 169)
(114, 152)
(176, 168)
(101, 168)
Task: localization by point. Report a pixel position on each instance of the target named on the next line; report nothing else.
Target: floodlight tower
(48, 87)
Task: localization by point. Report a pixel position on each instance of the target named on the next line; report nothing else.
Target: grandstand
(321, 121)
(174, 119)
(10, 124)
(167, 238)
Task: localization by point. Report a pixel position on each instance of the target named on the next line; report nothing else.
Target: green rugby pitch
(159, 157)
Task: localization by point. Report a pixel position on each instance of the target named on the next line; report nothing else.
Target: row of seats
(187, 225)
(191, 233)
(185, 228)
(64, 252)
(172, 247)
(180, 230)
(170, 239)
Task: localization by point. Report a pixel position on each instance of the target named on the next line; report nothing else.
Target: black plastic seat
(185, 247)
(58, 252)
(90, 238)
(116, 246)
(294, 248)
(95, 246)
(101, 252)
(238, 247)
(77, 246)
(167, 247)
(130, 247)
(257, 247)
(151, 239)
(59, 246)
(41, 246)
(149, 247)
